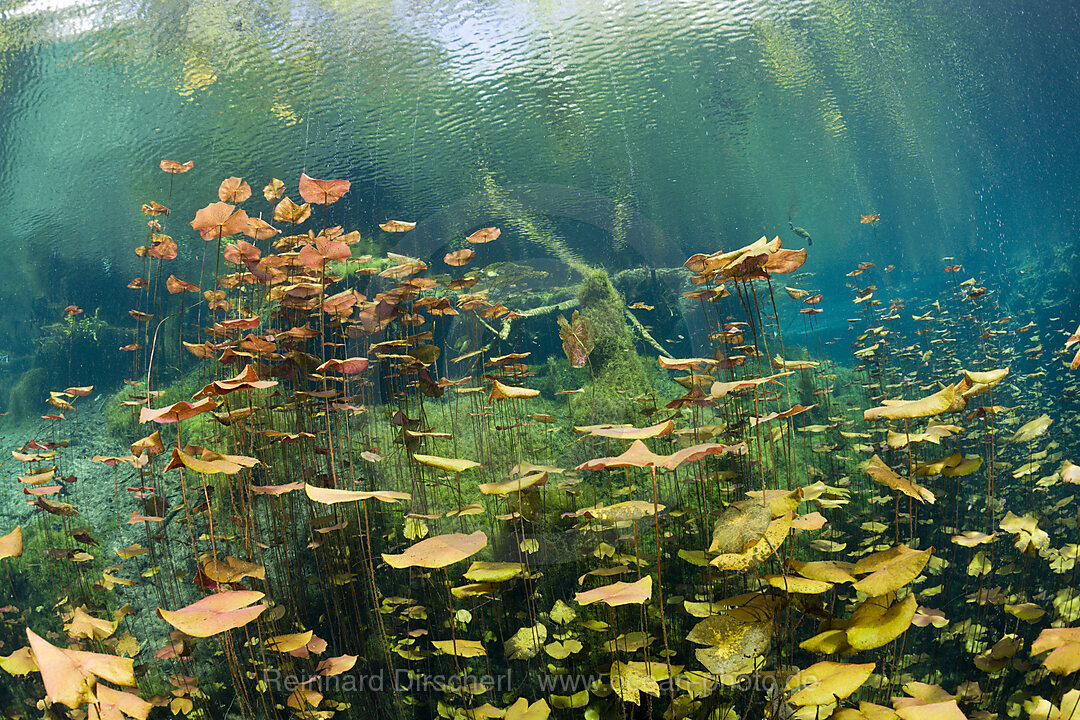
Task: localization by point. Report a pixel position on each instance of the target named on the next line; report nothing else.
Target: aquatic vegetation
(359, 497)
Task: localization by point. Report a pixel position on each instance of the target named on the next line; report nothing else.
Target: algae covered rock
(618, 373)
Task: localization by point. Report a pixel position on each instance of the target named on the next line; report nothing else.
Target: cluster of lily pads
(748, 555)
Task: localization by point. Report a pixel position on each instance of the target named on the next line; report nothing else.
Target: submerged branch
(646, 336)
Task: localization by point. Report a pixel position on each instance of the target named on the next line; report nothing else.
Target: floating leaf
(562, 613)
(20, 662)
(174, 166)
(629, 680)
(484, 235)
(890, 569)
(218, 220)
(461, 648)
(85, 625)
(732, 642)
(1064, 644)
(493, 572)
(740, 527)
(233, 190)
(273, 189)
(522, 710)
(876, 468)
(439, 551)
(619, 593)
(874, 623)
(454, 465)
(11, 545)
(639, 455)
(828, 682)
(215, 613)
(500, 391)
(577, 339)
(459, 258)
(1031, 430)
(397, 226)
(525, 643)
(769, 543)
(934, 404)
(70, 676)
(322, 192)
(330, 496)
(290, 642)
(336, 665)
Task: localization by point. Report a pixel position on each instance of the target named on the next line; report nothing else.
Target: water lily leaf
(484, 235)
(84, 625)
(70, 676)
(439, 551)
(461, 648)
(740, 527)
(11, 545)
(175, 166)
(797, 584)
(623, 512)
(630, 679)
(218, 220)
(514, 485)
(967, 466)
(1031, 430)
(397, 226)
(525, 643)
(831, 571)
(1029, 612)
(232, 570)
(176, 412)
(945, 710)
(570, 702)
(288, 211)
(499, 391)
(562, 613)
(233, 190)
(336, 665)
(522, 710)
(454, 465)
(330, 496)
(348, 366)
(971, 538)
(930, 405)
(639, 455)
(273, 189)
(631, 433)
(890, 569)
(828, 682)
(215, 613)
(215, 464)
(290, 642)
(618, 593)
(1064, 644)
(563, 650)
(322, 192)
(876, 468)
(874, 623)
(20, 662)
(459, 258)
(753, 556)
(732, 642)
(577, 339)
(493, 572)
(929, 616)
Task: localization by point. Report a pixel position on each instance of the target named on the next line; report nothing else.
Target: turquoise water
(625, 136)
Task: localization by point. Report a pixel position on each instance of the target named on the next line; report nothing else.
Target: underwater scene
(514, 359)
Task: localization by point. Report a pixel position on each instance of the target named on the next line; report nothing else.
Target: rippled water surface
(711, 122)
